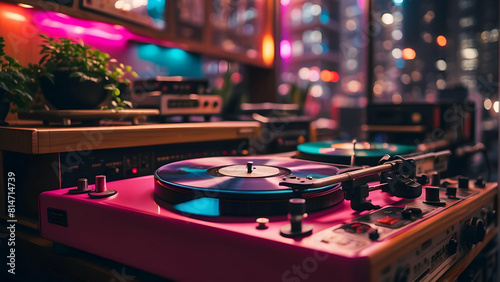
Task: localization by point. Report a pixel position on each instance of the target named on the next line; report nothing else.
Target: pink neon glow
(361, 5)
(285, 49)
(61, 15)
(66, 26)
(285, 2)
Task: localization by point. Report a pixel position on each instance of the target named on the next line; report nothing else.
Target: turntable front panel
(132, 228)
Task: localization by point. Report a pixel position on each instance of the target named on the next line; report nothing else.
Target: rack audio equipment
(176, 96)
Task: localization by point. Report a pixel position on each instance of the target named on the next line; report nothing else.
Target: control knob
(432, 196)
(436, 179)
(463, 182)
(100, 190)
(82, 187)
(452, 246)
(374, 235)
(488, 215)
(475, 231)
(451, 192)
(297, 213)
(480, 183)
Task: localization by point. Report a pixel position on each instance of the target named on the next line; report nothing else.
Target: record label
(244, 171)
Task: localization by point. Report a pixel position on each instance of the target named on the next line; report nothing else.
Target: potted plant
(14, 85)
(77, 76)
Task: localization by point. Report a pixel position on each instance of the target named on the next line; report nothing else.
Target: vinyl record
(227, 183)
(366, 153)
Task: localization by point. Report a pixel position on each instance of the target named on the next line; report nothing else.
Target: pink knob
(100, 183)
(82, 184)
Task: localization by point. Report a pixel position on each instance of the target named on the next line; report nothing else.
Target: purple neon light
(361, 4)
(285, 49)
(285, 2)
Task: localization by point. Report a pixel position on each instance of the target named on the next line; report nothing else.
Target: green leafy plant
(87, 64)
(15, 81)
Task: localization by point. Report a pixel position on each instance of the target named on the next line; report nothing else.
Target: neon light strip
(82, 27)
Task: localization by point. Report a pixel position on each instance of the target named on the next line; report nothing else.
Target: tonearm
(401, 176)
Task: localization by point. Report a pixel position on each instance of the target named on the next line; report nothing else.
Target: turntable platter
(366, 153)
(243, 185)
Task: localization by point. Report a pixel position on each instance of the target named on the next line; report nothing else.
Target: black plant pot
(69, 93)
(4, 106)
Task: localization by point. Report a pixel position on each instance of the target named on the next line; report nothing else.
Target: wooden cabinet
(45, 158)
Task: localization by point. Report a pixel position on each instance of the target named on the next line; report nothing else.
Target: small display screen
(183, 103)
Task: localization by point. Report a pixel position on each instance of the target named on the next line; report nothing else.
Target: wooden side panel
(19, 140)
(94, 138)
(43, 140)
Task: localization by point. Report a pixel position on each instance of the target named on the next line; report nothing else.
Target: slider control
(100, 190)
(82, 187)
(296, 215)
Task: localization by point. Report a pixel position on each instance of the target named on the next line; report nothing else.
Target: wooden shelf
(166, 37)
(42, 140)
(200, 47)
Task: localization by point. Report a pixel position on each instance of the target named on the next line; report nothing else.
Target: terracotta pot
(68, 93)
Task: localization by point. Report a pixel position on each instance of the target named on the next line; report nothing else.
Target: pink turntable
(279, 219)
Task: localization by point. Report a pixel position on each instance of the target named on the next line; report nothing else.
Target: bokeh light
(441, 65)
(387, 18)
(335, 76)
(397, 53)
(441, 40)
(397, 99)
(326, 75)
(285, 49)
(397, 34)
(409, 54)
(316, 91)
(487, 104)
